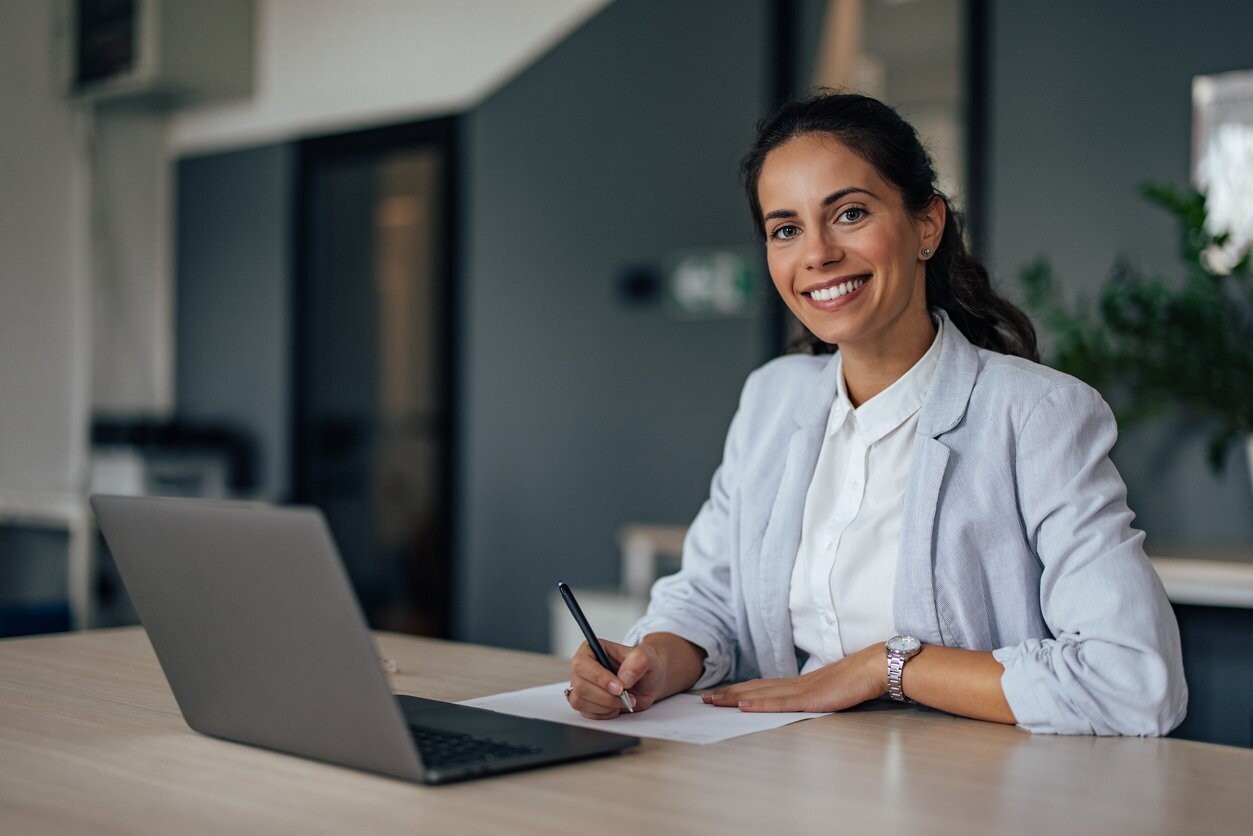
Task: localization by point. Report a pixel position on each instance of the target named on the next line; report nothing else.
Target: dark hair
(956, 282)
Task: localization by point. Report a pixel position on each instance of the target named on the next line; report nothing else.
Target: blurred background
(477, 278)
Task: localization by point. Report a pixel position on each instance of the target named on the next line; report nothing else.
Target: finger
(585, 666)
(734, 699)
(616, 652)
(776, 703)
(592, 709)
(592, 690)
(635, 664)
(754, 690)
(589, 696)
(597, 712)
(719, 696)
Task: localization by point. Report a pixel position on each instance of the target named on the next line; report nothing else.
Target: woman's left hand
(843, 684)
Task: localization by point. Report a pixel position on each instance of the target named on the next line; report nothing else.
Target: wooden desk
(91, 741)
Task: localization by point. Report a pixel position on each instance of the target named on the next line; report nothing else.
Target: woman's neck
(871, 368)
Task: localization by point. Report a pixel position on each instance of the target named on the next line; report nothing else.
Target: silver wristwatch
(900, 650)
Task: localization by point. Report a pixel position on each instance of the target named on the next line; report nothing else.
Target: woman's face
(844, 252)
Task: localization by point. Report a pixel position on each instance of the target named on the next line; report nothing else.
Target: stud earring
(926, 252)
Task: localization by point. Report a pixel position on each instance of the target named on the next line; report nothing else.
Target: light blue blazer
(1016, 538)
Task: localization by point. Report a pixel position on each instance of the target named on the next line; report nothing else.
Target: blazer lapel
(914, 597)
(914, 604)
(781, 538)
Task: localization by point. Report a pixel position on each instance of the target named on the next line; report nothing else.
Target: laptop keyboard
(445, 748)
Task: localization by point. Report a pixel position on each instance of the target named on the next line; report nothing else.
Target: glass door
(374, 361)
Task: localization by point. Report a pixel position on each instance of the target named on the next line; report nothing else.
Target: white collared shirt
(841, 592)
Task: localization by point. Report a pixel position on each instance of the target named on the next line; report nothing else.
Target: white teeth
(826, 294)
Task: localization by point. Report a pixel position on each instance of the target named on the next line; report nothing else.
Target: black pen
(592, 641)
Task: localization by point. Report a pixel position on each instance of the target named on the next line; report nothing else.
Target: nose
(822, 249)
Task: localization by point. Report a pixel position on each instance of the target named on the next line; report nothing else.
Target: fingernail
(615, 688)
(745, 704)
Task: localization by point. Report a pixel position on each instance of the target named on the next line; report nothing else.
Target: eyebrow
(826, 201)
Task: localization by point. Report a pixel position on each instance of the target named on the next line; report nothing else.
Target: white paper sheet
(683, 717)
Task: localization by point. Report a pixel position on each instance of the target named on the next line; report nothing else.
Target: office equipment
(250, 613)
(168, 52)
(598, 650)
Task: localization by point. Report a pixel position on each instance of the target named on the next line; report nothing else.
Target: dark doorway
(374, 362)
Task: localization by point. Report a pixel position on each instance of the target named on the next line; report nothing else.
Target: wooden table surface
(91, 741)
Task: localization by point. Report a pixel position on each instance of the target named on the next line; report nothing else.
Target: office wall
(132, 265)
(1087, 101)
(45, 302)
(580, 413)
(233, 306)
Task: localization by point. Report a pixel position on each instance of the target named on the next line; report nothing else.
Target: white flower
(1225, 174)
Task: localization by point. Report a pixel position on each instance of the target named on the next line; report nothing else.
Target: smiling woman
(928, 514)
(846, 255)
(875, 139)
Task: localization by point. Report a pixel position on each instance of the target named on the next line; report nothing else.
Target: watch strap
(896, 670)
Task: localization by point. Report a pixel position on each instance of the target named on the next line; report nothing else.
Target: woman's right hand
(661, 665)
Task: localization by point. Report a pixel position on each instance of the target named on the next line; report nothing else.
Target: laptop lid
(254, 622)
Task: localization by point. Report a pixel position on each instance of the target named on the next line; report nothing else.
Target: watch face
(903, 644)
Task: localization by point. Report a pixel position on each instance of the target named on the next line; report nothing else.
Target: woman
(925, 512)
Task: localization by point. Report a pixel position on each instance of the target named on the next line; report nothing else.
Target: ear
(930, 224)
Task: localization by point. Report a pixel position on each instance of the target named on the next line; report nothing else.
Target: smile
(826, 294)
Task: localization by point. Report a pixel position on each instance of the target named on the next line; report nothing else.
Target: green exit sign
(713, 283)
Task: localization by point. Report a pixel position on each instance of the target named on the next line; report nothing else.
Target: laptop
(252, 618)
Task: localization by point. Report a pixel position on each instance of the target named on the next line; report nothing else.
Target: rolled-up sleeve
(698, 602)
(1114, 664)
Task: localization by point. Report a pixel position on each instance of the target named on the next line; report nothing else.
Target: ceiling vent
(159, 52)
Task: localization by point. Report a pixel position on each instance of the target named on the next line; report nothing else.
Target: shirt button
(854, 485)
(827, 545)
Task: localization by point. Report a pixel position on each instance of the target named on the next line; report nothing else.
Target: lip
(837, 280)
(839, 301)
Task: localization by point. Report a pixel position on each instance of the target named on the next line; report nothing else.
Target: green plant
(1155, 345)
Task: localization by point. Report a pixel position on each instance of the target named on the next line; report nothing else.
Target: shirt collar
(890, 408)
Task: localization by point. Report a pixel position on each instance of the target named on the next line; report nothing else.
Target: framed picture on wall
(1222, 159)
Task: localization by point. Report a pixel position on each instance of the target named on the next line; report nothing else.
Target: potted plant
(1153, 344)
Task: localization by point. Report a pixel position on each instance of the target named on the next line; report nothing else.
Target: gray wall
(1088, 100)
(580, 414)
(233, 299)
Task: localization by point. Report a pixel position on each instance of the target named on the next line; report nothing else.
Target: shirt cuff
(1021, 689)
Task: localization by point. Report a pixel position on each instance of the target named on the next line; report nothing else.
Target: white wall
(45, 302)
(132, 281)
(326, 65)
